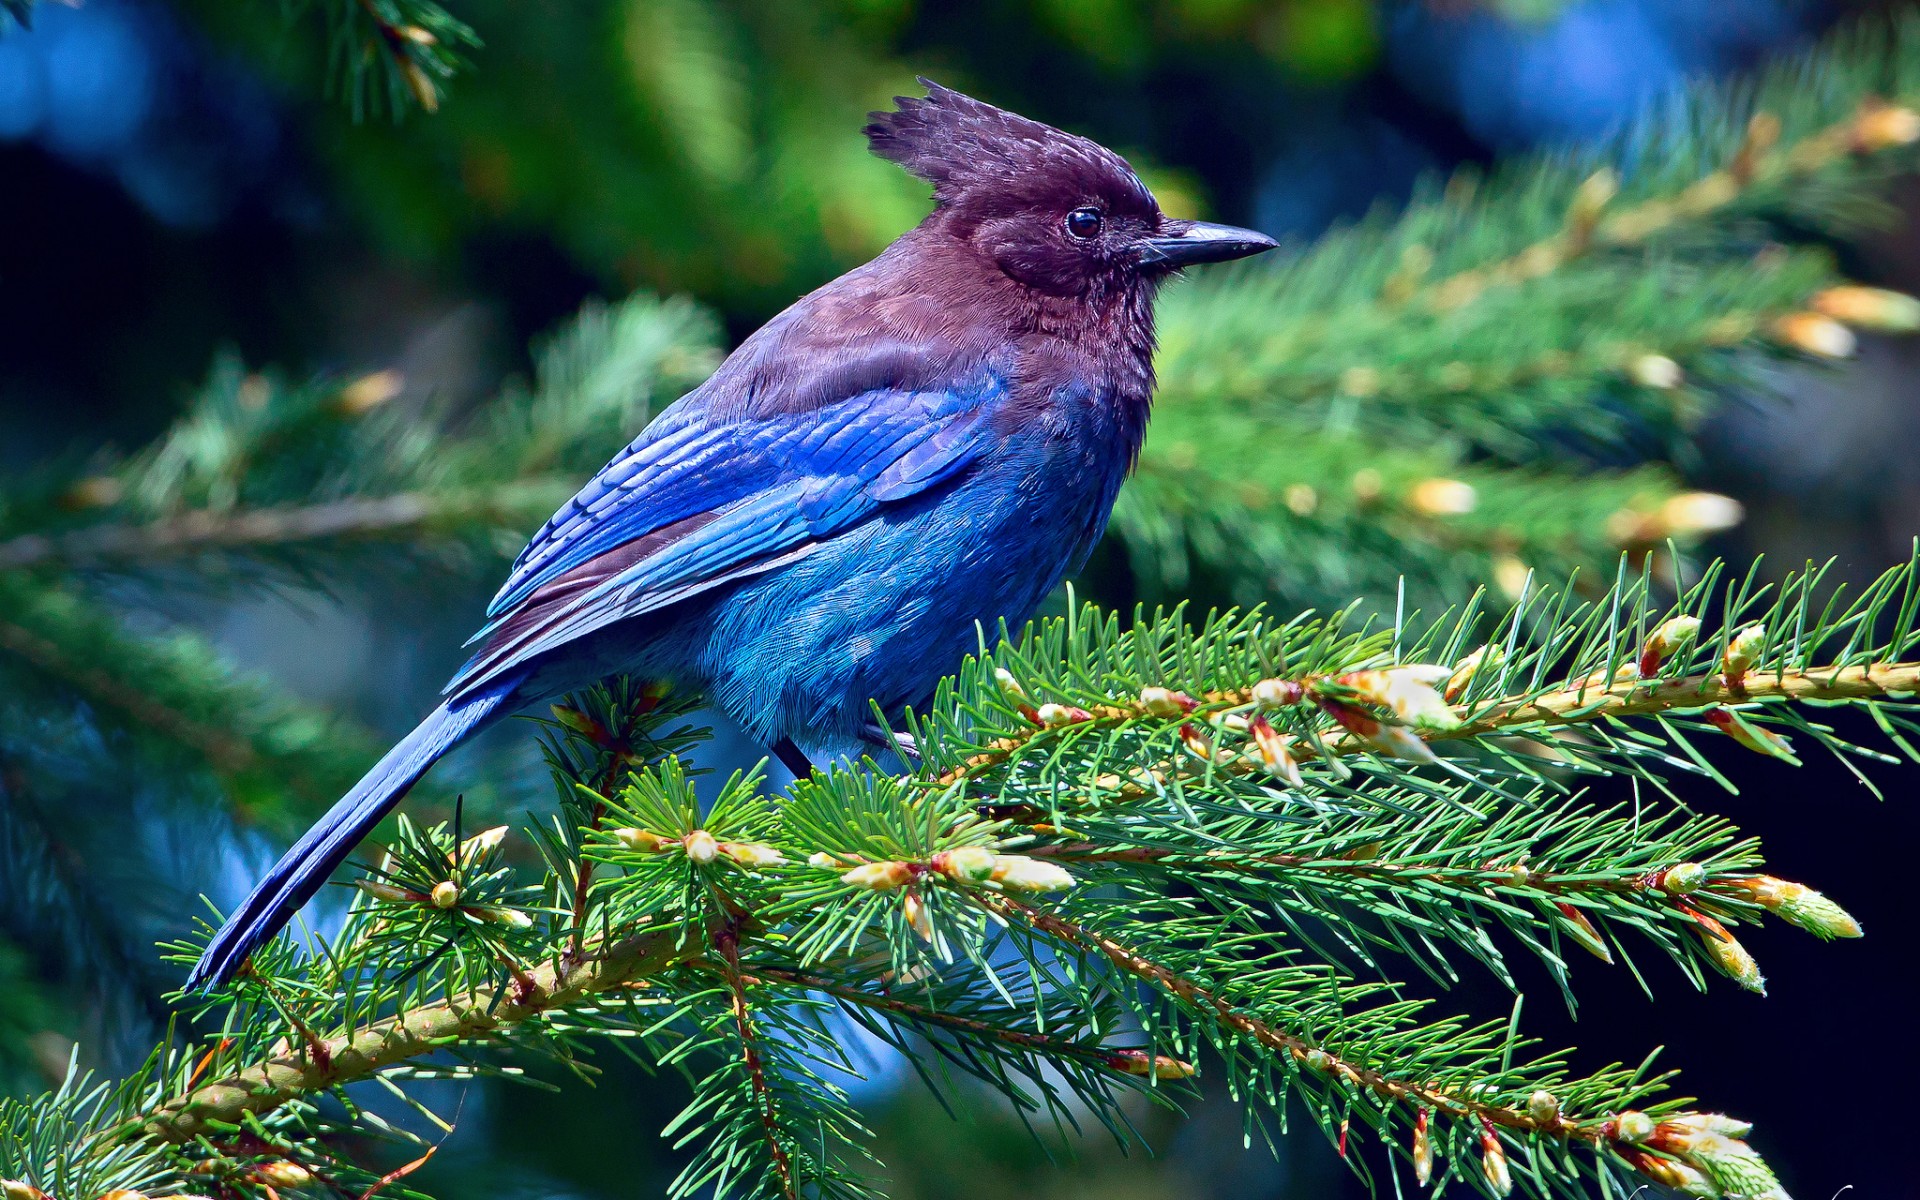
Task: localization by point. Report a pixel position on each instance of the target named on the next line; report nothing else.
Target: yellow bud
(641, 841)
(1733, 960)
(1164, 702)
(1543, 1107)
(1668, 639)
(752, 854)
(17, 1189)
(1512, 577)
(1488, 657)
(824, 861)
(1157, 1066)
(1359, 382)
(486, 841)
(1884, 126)
(880, 876)
(512, 918)
(1633, 1126)
(1656, 371)
(445, 894)
(283, 1174)
(1024, 874)
(1682, 878)
(915, 911)
(369, 392)
(1699, 513)
(1442, 497)
(700, 846)
(1277, 693)
(1008, 684)
(1753, 737)
(1301, 499)
(1816, 334)
(1870, 308)
(969, 864)
(1493, 1166)
(1798, 904)
(1422, 1152)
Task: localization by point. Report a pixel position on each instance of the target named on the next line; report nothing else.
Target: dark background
(173, 184)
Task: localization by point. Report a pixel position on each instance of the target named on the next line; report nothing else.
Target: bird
(918, 450)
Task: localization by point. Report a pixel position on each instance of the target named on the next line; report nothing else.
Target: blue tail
(302, 870)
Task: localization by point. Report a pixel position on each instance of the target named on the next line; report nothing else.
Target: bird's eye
(1085, 223)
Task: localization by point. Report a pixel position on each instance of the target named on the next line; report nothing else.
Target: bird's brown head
(1059, 213)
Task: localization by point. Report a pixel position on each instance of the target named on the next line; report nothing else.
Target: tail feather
(302, 870)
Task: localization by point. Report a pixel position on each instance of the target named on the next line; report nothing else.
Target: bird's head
(1058, 213)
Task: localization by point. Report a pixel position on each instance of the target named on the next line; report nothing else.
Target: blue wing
(693, 505)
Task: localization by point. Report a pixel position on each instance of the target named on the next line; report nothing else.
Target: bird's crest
(956, 143)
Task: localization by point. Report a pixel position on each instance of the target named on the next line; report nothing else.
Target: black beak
(1185, 243)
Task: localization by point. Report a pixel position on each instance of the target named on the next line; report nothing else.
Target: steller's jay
(924, 446)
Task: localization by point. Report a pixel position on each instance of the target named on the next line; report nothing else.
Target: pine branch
(222, 1104)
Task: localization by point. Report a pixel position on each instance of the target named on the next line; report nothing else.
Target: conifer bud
(123, 1194)
(1633, 1126)
(700, 847)
(1543, 1108)
(445, 894)
(512, 918)
(1682, 878)
(1869, 308)
(752, 854)
(1677, 1175)
(19, 1189)
(1584, 933)
(484, 842)
(1656, 371)
(1407, 692)
(1278, 693)
(283, 1174)
(821, 860)
(1442, 497)
(914, 910)
(369, 392)
(1669, 638)
(1155, 1066)
(1512, 576)
(1734, 1167)
(1798, 904)
(1164, 702)
(1743, 651)
(969, 864)
(1422, 1151)
(641, 841)
(1884, 126)
(1493, 1164)
(1754, 738)
(1319, 1060)
(880, 876)
(1487, 658)
(1815, 334)
(1009, 686)
(1695, 1123)
(1272, 748)
(1197, 742)
(1024, 874)
(1053, 716)
(386, 891)
(1729, 955)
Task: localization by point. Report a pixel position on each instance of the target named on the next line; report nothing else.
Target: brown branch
(229, 754)
(211, 529)
(262, 1087)
(1196, 997)
(729, 944)
(1569, 705)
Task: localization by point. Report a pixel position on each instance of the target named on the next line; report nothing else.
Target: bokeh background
(175, 186)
